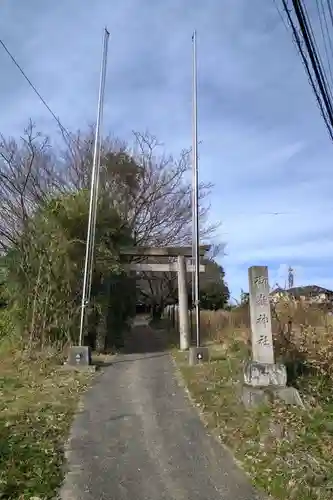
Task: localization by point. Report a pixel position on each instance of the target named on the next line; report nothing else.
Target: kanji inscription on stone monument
(263, 340)
(260, 312)
(261, 300)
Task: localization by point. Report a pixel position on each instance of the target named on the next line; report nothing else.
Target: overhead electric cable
(329, 45)
(297, 41)
(315, 49)
(62, 128)
(330, 10)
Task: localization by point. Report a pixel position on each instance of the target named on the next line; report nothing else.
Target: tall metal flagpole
(193, 240)
(195, 190)
(93, 194)
(97, 151)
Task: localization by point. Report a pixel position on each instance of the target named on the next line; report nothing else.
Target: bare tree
(151, 190)
(28, 175)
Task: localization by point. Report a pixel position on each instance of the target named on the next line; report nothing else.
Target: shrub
(7, 328)
(45, 271)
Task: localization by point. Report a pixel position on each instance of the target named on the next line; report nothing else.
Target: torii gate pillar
(184, 330)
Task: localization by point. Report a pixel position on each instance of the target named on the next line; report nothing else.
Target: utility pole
(195, 194)
(94, 187)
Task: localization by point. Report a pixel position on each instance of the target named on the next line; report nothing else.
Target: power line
(315, 50)
(315, 47)
(297, 41)
(280, 14)
(305, 28)
(322, 14)
(330, 10)
(62, 128)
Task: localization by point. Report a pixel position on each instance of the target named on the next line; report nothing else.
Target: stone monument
(263, 377)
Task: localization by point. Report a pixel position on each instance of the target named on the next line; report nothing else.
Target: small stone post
(184, 331)
(262, 376)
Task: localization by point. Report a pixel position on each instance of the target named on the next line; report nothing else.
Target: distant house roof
(302, 291)
(278, 290)
(309, 290)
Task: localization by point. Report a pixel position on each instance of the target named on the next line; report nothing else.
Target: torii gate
(181, 266)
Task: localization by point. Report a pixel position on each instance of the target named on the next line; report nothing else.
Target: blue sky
(263, 141)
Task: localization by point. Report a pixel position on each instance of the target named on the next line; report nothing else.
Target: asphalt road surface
(139, 438)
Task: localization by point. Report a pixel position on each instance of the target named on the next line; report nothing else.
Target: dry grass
(287, 451)
(37, 403)
(303, 335)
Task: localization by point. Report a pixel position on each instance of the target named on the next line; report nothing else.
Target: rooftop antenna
(290, 277)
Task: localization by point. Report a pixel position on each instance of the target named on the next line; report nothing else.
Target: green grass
(285, 450)
(37, 403)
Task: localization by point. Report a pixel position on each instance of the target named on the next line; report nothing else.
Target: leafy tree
(46, 270)
(214, 296)
(152, 192)
(214, 292)
(145, 198)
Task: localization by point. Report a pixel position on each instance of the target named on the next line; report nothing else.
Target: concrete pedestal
(198, 355)
(79, 358)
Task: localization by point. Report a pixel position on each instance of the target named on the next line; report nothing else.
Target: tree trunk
(157, 311)
(101, 332)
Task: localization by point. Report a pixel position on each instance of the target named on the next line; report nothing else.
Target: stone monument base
(79, 358)
(198, 355)
(256, 396)
(266, 382)
(265, 374)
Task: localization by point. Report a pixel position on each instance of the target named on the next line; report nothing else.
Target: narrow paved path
(139, 438)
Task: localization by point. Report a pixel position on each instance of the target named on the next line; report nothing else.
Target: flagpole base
(198, 355)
